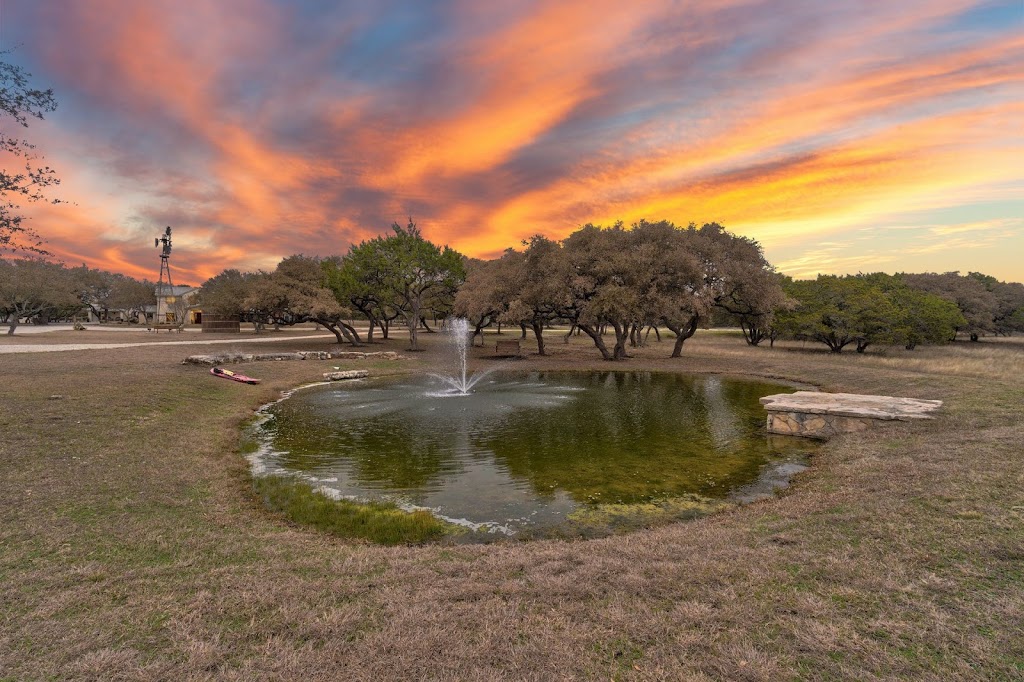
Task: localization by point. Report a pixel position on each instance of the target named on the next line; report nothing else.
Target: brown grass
(132, 546)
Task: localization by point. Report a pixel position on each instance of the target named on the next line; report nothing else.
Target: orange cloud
(258, 130)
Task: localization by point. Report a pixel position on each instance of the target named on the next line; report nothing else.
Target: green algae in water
(538, 454)
(590, 520)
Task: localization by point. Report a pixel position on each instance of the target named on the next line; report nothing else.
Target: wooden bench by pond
(822, 415)
(507, 349)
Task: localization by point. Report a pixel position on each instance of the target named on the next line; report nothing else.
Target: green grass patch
(378, 522)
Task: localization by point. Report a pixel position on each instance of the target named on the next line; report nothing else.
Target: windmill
(165, 267)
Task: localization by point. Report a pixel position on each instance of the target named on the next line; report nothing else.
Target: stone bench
(822, 415)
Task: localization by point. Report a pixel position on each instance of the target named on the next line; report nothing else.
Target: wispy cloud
(260, 128)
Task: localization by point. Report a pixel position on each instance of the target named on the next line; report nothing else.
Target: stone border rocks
(346, 374)
(233, 358)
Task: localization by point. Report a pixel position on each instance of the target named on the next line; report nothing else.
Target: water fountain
(461, 382)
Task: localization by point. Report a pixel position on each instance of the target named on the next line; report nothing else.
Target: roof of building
(163, 290)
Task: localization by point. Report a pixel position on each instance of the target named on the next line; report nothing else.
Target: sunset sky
(844, 136)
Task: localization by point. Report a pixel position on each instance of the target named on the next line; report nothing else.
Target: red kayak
(234, 376)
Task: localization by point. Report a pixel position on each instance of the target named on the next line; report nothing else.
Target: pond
(536, 454)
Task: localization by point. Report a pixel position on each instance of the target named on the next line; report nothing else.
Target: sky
(844, 136)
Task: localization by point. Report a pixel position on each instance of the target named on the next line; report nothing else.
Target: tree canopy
(865, 310)
(28, 179)
(624, 278)
(103, 292)
(409, 272)
(976, 303)
(32, 288)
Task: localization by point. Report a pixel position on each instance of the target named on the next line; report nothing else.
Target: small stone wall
(232, 358)
(823, 415)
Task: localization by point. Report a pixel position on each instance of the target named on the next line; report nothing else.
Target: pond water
(536, 454)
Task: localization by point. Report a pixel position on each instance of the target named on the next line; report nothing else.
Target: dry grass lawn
(132, 546)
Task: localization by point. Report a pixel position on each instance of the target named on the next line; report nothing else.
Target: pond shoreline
(773, 476)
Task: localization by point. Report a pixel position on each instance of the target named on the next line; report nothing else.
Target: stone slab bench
(822, 415)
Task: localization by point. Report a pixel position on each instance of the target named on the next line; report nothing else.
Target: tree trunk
(423, 321)
(682, 333)
(538, 331)
(621, 339)
(12, 327)
(568, 334)
(862, 346)
(351, 332)
(413, 320)
(334, 330)
(522, 327)
(836, 345)
(598, 341)
(746, 333)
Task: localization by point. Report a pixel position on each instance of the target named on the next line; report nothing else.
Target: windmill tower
(164, 292)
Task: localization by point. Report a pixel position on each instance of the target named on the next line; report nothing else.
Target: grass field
(134, 547)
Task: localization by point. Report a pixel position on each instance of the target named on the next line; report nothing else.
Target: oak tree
(23, 176)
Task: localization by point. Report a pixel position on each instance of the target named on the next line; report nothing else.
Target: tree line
(620, 281)
(38, 290)
(400, 276)
(616, 285)
(906, 309)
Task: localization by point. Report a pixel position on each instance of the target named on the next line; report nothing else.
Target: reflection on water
(524, 451)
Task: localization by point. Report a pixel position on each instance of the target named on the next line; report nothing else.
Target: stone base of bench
(814, 425)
